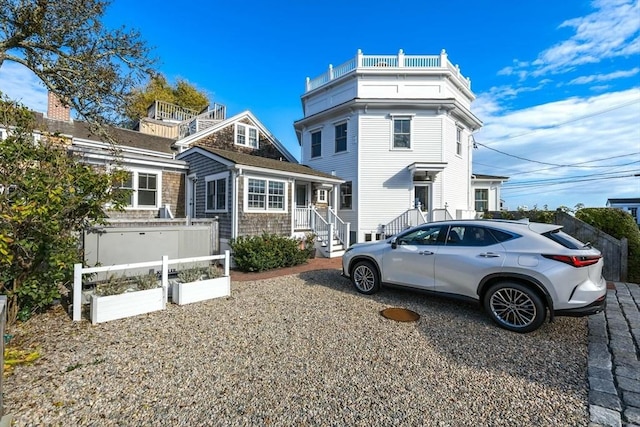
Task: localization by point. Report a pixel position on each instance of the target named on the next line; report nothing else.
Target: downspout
(469, 173)
(234, 203)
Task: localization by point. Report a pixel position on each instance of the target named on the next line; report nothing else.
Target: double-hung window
(316, 144)
(143, 187)
(216, 197)
(246, 135)
(402, 132)
(459, 141)
(346, 199)
(482, 199)
(341, 137)
(267, 195)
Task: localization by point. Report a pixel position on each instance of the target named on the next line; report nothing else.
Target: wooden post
(77, 292)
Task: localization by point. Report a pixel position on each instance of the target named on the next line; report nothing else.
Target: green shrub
(617, 223)
(267, 251)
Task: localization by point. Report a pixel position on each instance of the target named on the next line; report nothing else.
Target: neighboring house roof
(124, 137)
(192, 139)
(258, 162)
(632, 200)
(478, 176)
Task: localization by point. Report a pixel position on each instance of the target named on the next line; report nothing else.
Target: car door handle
(489, 255)
(425, 253)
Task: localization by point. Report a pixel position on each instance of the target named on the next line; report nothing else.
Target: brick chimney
(56, 110)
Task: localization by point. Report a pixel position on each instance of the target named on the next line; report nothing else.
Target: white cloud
(20, 84)
(613, 30)
(605, 77)
(569, 131)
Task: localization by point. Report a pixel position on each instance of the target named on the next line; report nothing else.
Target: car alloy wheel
(515, 307)
(365, 278)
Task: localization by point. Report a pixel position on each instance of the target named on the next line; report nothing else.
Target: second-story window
(459, 141)
(316, 144)
(341, 137)
(401, 132)
(246, 135)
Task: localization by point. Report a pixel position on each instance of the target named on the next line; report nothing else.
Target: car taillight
(576, 261)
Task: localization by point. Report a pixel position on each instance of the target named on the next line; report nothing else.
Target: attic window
(246, 135)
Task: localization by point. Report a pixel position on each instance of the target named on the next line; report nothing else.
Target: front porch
(332, 233)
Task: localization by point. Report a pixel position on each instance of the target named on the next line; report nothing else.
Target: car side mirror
(394, 243)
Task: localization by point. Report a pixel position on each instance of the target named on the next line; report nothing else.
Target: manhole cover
(400, 314)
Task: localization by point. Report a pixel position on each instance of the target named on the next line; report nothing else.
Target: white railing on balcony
(387, 61)
(409, 218)
(161, 110)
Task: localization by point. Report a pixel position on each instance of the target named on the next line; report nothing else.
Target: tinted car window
(470, 236)
(421, 236)
(565, 240)
(502, 236)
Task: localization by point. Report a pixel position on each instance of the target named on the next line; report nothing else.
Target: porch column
(336, 197)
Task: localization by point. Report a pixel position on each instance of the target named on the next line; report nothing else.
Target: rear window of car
(565, 240)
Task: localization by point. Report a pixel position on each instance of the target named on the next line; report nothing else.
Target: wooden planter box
(112, 307)
(201, 290)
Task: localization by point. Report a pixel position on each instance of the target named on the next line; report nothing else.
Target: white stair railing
(409, 218)
(440, 215)
(320, 226)
(341, 229)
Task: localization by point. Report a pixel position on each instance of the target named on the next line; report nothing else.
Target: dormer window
(246, 135)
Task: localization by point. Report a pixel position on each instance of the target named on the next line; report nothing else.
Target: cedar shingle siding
(252, 224)
(202, 166)
(224, 139)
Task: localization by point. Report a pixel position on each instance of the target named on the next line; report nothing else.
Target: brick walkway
(313, 264)
(614, 367)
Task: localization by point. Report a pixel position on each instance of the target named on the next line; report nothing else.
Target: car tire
(365, 277)
(515, 307)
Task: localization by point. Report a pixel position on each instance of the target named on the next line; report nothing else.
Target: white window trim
(395, 117)
(216, 177)
(322, 196)
(135, 172)
(488, 190)
(266, 209)
(346, 137)
(311, 132)
(460, 132)
(246, 135)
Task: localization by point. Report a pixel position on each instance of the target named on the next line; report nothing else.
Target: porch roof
(425, 168)
(242, 159)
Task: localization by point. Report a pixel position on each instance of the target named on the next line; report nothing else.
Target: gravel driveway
(304, 349)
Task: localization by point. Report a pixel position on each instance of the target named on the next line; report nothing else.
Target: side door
(410, 260)
(469, 253)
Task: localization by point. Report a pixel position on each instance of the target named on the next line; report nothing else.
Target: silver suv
(517, 270)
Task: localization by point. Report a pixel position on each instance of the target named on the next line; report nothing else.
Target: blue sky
(557, 82)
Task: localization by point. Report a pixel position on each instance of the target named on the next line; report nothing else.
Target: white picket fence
(79, 271)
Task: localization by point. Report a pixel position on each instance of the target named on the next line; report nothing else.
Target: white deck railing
(392, 62)
(79, 271)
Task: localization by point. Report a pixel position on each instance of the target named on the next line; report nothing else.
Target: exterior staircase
(332, 234)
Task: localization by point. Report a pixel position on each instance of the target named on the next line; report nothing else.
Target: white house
(486, 192)
(397, 129)
(631, 205)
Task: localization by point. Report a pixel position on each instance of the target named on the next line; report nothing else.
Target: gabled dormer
(242, 133)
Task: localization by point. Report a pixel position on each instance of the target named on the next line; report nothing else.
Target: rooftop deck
(399, 62)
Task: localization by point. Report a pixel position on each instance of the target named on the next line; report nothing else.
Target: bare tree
(91, 68)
